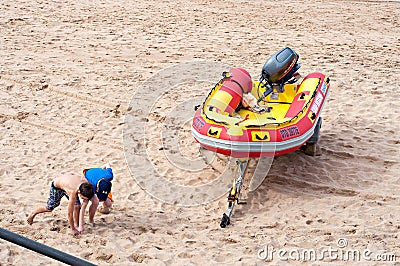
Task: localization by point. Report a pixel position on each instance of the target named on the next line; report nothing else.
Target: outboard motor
(279, 69)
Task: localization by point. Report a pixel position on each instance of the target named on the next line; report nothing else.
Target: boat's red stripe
(297, 105)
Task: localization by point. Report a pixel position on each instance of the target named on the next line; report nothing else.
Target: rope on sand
(42, 249)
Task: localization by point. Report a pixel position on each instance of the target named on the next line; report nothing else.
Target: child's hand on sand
(107, 165)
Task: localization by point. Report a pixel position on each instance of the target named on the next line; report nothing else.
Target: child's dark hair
(86, 190)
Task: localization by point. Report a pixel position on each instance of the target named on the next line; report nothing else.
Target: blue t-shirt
(93, 175)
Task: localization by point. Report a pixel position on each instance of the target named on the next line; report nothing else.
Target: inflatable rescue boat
(292, 117)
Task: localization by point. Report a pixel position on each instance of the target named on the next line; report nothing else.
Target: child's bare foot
(30, 219)
(91, 223)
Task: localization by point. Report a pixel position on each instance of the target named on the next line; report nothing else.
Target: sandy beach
(71, 78)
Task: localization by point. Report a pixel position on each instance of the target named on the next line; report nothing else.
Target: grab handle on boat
(246, 118)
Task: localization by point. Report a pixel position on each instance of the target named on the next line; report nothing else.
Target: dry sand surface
(68, 70)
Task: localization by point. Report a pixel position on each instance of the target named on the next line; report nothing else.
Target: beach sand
(68, 72)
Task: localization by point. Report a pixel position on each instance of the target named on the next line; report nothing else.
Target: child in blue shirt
(101, 179)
